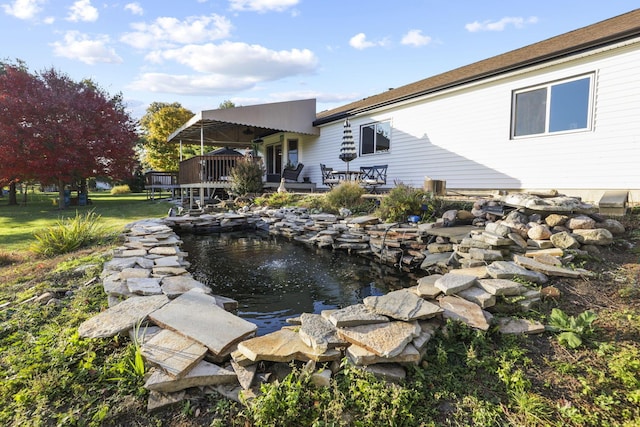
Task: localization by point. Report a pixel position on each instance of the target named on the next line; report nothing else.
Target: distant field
(18, 223)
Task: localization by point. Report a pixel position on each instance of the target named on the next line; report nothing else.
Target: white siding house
(562, 114)
(463, 134)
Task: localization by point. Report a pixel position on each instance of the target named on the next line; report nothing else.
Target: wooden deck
(202, 178)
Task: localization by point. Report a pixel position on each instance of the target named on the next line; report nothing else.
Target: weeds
(571, 329)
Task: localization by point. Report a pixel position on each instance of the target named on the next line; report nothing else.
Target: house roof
(600, 34)
(239, 126)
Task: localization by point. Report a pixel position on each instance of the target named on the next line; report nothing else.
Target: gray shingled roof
(593, 36)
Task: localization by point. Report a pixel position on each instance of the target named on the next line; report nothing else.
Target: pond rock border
(193, 342)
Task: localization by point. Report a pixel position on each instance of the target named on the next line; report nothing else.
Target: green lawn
(18, 223)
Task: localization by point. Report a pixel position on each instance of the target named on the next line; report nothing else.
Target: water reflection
(274, 279)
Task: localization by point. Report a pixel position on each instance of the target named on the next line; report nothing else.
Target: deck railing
(161, 179)
(207, 169)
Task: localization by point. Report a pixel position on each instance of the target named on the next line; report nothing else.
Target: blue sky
(202, 52)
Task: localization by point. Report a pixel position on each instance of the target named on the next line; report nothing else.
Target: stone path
(192, 341)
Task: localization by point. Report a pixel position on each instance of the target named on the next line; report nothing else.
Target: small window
(556, 107)
(292, 152)
(375, 138)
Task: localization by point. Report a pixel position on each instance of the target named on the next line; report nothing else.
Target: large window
(375, 138)
(555, 107)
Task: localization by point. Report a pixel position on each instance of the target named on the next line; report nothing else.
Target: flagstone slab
(391, 372)
(159, 400)
(112, 285)
(164, 250)
(402, 305)
(119, 264)
(174, 286)
(354, 315)
(174, 353)
(479, 296)
(121, 317)
(319, 333)
(512, 325)
(427, 286)
(284, 345)
(510, 270)
(168, 271)
(480, 271)
(245, 374)
(385, 339)
(439, 259)
(167, 261)
(549, 270)
(501, 287)
(362, 356)
(144, 286)
(457, 308)
(128, 273)
(196, 315)
(203, 374)
(130, 253)
(144, 262)
(451, 284)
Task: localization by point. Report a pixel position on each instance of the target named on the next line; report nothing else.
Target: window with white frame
(561, 106)
(375, 137)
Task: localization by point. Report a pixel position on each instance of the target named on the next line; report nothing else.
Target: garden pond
(274, 279)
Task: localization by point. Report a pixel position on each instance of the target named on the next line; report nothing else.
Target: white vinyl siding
(464, 136)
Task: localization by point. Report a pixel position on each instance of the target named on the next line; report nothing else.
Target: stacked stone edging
(147, 282)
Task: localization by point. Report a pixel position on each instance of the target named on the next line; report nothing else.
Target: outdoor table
(347, 175)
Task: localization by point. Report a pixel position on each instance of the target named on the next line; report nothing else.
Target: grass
(19, 223)
(50, 376)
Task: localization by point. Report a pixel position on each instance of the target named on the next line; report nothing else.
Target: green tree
(160, 121)
(226, 104)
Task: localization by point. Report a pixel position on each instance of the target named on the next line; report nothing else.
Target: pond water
(274, 279)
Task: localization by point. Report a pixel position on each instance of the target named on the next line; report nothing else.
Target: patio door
(273, 162)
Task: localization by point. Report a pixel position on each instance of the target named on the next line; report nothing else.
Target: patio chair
(292, 174)
(327, 178)
(373, 177)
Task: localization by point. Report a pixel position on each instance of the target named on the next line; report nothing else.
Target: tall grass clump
(403, 201)
(346, 195)
(121, 189)
(69, 234)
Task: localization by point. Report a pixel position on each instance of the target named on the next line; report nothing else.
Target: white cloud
(134, 8)
(23, 9)
(167, 31)
(415, 38)
(80, 47)
(262, 6)
(209, 84)
(241, 60)
(82, 10)
(360, 42)
(517, 22)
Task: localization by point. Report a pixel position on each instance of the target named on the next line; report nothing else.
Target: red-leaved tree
(62, 131)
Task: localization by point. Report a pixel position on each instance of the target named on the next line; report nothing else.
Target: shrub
(403, 201)
(277, 200)
(346, 195)
(69, 234)
(121, 189)
(246, 177)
